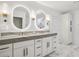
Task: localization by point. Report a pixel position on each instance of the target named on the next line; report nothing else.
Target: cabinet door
(26, 51)
(19, 52)
(30, 51)
(6, 50)
(6, 54)
(46, 46)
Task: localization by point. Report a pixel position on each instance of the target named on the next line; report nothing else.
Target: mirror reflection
(40, 20)
(21, 17)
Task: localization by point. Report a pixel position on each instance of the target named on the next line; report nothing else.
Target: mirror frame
(26, 28)
(40, 11)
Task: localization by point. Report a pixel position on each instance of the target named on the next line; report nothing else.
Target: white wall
(75, 27)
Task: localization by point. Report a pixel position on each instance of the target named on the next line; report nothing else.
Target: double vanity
(30, 46)
(26, 34)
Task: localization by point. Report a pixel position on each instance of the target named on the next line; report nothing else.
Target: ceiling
(61, 6)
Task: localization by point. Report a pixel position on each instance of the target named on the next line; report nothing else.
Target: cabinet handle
(24, 52)
(4, 48)
(54, 37)
(38, 40)
(48, 44)
(39, 47)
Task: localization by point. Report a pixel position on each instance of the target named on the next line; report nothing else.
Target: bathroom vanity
(25, 34)
(35, 45)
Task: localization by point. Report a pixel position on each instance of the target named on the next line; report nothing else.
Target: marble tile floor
(65, 51)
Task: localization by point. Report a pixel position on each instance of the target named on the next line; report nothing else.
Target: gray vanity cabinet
(46, 46)
(6, 50)
(24, 49)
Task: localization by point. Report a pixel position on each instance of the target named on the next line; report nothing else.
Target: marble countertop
(14, 39)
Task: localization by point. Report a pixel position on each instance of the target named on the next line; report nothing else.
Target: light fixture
(47, 18)
(33, 15)
(5, 9)
(0, 12)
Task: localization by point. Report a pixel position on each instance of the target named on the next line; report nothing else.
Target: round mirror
(40, 20)
(21, 17)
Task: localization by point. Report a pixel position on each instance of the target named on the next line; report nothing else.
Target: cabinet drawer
(4, 48)
(38, 42)
(38, 51)
(37, 45)
(24, 43)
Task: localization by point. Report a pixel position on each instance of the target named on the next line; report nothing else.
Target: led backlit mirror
(21, 17)
(40, 20)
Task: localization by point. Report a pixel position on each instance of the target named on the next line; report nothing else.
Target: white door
(66, 28)
(46, 46)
